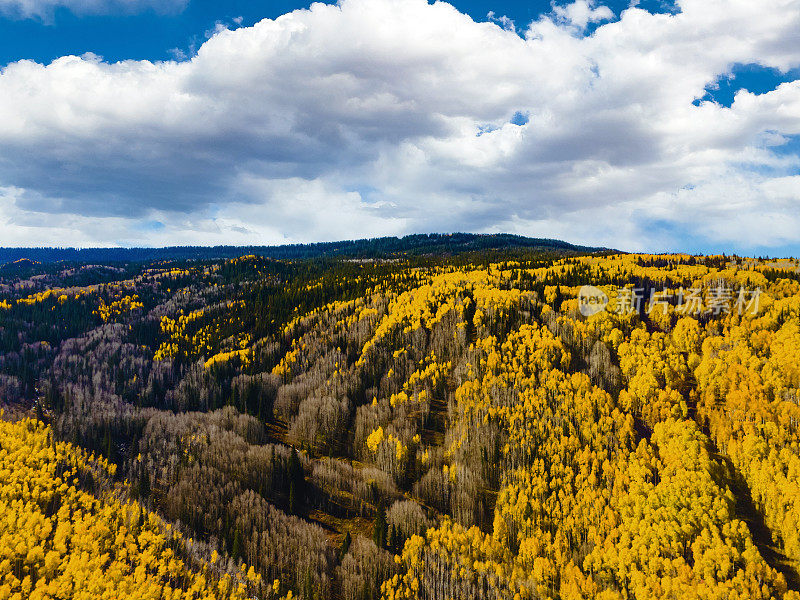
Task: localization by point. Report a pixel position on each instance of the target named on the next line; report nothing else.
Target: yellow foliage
(58, 540)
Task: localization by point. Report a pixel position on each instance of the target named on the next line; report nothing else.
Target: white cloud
(581, 13)
(502, 21)
(44, 9)
(391, 116)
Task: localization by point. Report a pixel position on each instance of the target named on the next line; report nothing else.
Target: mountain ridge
(383, 247)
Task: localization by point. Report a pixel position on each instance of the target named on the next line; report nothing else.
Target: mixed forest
(419, 425)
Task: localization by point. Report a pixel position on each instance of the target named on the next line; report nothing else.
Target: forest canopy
(445, 422)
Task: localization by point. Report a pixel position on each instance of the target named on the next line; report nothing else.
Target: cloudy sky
(646, 125)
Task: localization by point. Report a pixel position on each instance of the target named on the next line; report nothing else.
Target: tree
(379, 526)
(345, 545)
(296, 483)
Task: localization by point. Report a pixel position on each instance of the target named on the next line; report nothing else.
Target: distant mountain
(378, 248)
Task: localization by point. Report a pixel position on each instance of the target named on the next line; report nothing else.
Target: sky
(653, 126)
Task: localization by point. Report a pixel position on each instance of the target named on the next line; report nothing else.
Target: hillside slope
(374, 248)
(443, 429)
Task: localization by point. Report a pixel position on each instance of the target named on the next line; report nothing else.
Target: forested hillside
(375, 248)
(425, 427)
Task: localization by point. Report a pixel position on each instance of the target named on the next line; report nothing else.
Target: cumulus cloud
(390, 116)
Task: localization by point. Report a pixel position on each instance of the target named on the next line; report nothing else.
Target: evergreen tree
(379, 527)
(345, 546)
(296, 483)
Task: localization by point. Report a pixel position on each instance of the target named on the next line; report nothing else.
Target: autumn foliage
(421, 430)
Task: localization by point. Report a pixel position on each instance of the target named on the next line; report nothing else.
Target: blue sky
(647, 126)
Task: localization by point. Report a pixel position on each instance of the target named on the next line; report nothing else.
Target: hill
(387, 247)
